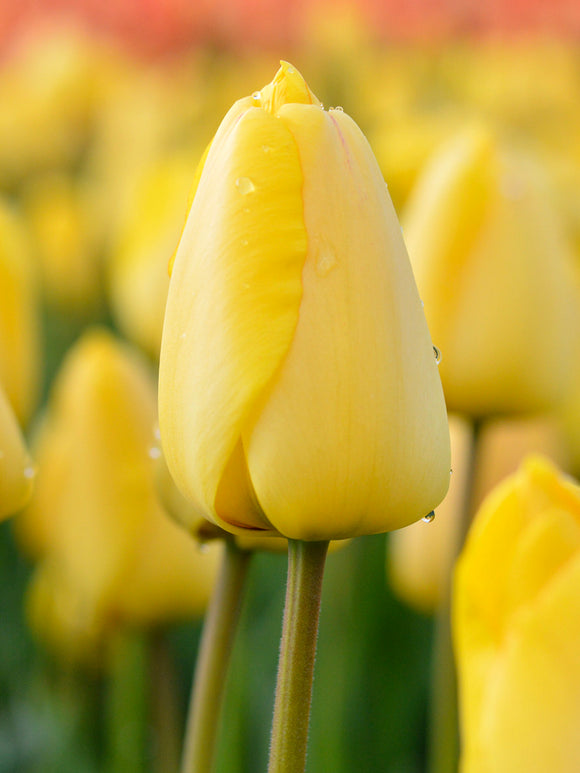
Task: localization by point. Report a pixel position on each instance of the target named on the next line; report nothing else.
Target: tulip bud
(65, 233)
(16, 470)
(95, 516)
(299, 393)
(495, 274)
(19, 339)
(138, 279)
(517, 627)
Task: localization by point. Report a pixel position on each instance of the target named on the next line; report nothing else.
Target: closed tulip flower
(299, 393)
(19, 312)
(16, 469)
(495, 273)
(95, 517)
(517, 627)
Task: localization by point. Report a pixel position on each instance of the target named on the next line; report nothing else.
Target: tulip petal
(232, 308)
(353, 437)
(530, 719)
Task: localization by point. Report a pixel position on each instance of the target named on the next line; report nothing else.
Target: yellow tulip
(95, 515)
(65, 235)
(16, 469)
(137, 271)
(299, 393)
(495, 274)
(517, 627)
(19, 311)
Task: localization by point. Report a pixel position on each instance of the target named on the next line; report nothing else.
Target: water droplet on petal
(157, 433)
(437, 354)
(339, 109)
(154, 452)
(422, 304)
(245, 185)
(257, 96)
(325, 262)
(429, 517)
(451, 471)
(29, 471)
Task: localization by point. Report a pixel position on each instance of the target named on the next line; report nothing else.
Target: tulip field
(289, 387)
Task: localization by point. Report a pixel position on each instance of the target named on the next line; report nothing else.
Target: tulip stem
(297, 652)
(165, 719)
(213, 660)
(444, 719)
(127, 703)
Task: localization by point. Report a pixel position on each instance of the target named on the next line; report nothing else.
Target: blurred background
(105, 110)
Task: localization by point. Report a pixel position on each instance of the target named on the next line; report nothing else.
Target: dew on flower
(154, 452)
(325, 262)
(29, 471)
(429, 517)
(245, 185)
(437, 354)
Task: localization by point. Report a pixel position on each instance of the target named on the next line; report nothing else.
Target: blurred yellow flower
(16, 468)
(47, 92)
(517, 627)
(65, 238)
(137, 271)
(19, 312)
(495, 274)
(298, 388)
(95, 518)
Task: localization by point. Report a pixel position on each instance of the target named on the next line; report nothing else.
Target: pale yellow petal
(353, 437)
(232, 307)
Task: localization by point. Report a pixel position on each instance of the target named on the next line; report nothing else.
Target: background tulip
(19, 315)
(298, 387)
(495, 273)
(95, 516)
(517, 626)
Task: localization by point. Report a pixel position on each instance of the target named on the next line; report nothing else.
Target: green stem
(165, 718)
(444, 716)
(212, 661)
(127, 704)
(297, 652)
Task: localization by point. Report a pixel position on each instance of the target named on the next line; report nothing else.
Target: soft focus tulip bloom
(16, 469)
(65, 234)
(19, 311)
(495, 273)
(95, 517)
(517, 627)
(137, 270)
(299, 393)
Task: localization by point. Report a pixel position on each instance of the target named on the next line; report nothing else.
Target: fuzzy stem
(297, 653)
